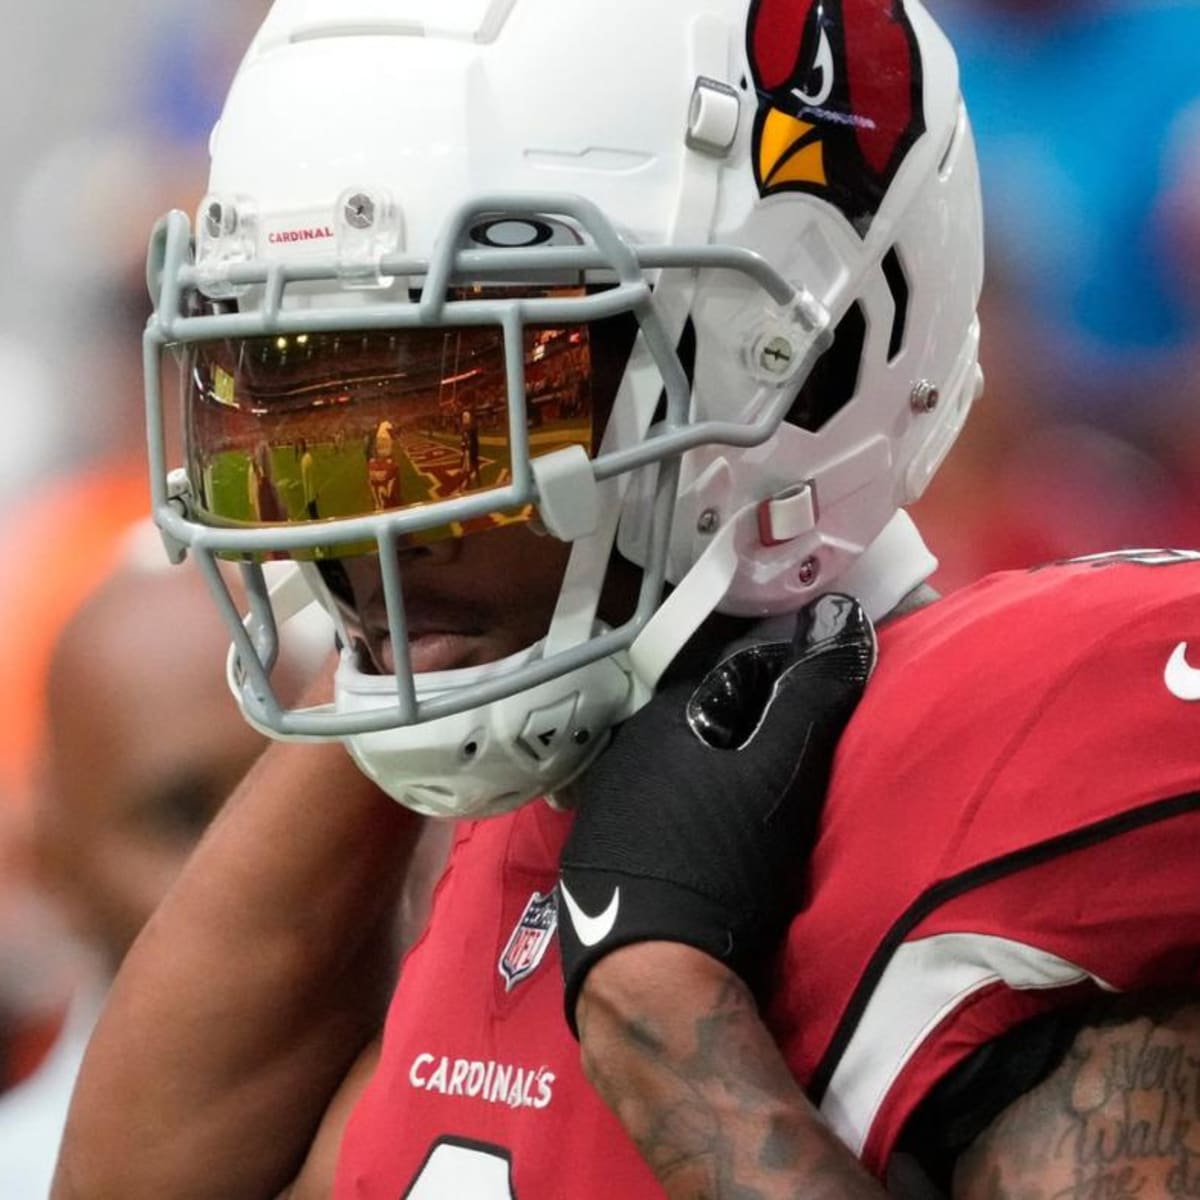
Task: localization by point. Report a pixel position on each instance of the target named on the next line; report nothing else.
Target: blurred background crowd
(1087, 114)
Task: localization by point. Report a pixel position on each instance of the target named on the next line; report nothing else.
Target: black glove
(695, 825)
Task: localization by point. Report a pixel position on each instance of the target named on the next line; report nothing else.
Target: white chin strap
(895, 563)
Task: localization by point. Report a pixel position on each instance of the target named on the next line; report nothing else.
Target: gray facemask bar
(173, 274)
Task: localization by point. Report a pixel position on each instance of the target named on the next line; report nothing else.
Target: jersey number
(458, 1170)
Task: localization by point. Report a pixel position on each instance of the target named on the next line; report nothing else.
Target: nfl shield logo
(529, 940)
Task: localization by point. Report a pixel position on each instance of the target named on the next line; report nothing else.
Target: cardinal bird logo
(840, 99)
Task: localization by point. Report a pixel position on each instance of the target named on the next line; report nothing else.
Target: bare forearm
(1118, 1117)
(248, 995)
(674, 1044)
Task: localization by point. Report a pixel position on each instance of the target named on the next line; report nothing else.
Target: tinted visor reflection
(310, 428)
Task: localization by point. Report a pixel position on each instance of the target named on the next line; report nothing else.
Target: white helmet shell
(797, 183)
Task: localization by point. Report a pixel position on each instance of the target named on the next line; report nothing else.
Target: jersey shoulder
(1053, 609)
(1031, 628)
(1072, 682)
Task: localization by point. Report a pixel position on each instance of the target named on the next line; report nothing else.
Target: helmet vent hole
(832, 382)
(893, 270)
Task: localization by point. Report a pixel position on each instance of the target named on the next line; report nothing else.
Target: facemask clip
(369, 226)
(226, 237)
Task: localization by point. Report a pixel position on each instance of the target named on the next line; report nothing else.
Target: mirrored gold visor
(322, 426)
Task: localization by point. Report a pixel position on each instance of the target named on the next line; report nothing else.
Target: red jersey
(1012, 824)
(479, 1094)
(1012, 821)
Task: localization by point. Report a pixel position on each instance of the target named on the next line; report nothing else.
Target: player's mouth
(437, 641)
(432, 650)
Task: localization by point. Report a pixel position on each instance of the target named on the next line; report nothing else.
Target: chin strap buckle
(788, 516)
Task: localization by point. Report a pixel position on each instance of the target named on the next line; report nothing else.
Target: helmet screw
(810, 572)
(581, 737)
(925, 397)
(360, 211)
(776, 356)
(710, 522)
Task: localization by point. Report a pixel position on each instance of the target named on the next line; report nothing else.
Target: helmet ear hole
(833, 381)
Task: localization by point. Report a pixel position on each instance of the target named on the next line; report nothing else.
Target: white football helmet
(420, 208)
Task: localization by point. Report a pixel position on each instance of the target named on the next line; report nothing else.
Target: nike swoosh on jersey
(1183, 680)
(591, 931)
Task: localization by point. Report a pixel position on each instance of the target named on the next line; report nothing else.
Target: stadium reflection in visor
(310, 428)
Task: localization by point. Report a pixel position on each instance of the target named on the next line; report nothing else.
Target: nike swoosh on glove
(695, 825)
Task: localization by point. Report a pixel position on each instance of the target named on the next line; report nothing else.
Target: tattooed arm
(1119, 1118)
(673, 1043)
